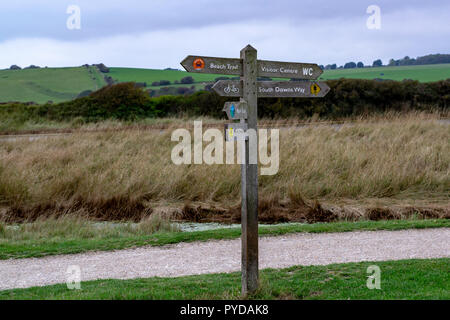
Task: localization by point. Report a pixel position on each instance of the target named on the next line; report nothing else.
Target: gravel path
(224, 256)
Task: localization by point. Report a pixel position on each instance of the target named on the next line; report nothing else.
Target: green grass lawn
(64, 238)
(423, 73)
(42, 85)
(404, 279)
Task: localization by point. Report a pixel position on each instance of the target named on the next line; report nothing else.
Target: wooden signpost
(249, 90)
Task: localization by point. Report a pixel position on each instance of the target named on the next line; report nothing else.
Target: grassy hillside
(62, 84)
(42, 85)
(151, 75)
(424, 73)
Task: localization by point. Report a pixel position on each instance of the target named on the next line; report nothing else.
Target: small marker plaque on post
(236, 110)
(235, 131)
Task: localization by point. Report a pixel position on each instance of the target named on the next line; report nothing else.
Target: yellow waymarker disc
(230, 132)
(315, 89)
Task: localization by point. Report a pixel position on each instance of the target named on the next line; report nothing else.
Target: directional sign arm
(294, 70)
(292, 89)
(265, 68)
(271, 89)
(201, 64)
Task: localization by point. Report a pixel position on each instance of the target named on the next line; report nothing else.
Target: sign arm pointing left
(213, 65)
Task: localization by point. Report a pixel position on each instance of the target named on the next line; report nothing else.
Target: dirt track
(224, 256)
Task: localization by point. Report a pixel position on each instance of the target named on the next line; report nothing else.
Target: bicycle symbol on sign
(231, 88)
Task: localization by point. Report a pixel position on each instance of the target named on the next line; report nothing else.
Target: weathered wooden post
(249, 176)
(249, 89)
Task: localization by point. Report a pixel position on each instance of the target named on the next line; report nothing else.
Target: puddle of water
(182, 226)
(194, 226)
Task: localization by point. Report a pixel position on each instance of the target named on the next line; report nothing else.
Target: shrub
(350, 65)
(84, 93)
(347, 97)
(32, 67)
(102, 68)
(377, 63)
(183, 90)
(109, 80)
(141, 84)
(122, 101)
(187, 80)
(164, 82)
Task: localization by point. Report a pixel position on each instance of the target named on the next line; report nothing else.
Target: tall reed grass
(404, 156)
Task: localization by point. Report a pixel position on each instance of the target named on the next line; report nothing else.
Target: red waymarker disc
(199, 64)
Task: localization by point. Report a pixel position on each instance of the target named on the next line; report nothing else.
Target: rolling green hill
(48, 84)
(423, 73)
(60, 84)
(152, 75)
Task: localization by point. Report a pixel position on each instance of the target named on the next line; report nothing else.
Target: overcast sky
(160, 33)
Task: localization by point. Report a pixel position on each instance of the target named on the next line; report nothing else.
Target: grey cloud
(159, 33)
(100, 18)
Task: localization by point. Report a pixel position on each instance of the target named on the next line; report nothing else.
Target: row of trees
(164, 91)
(16, 67)
(347, 97)
(429, 59)
(185, 80)
(406, 61)
(350, 65)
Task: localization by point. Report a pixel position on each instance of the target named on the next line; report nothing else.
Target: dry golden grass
(398, 157)
(77, 227)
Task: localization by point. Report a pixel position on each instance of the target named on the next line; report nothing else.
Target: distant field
(425, 73)
(42, 85)
(61, 84)
(152, 75)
